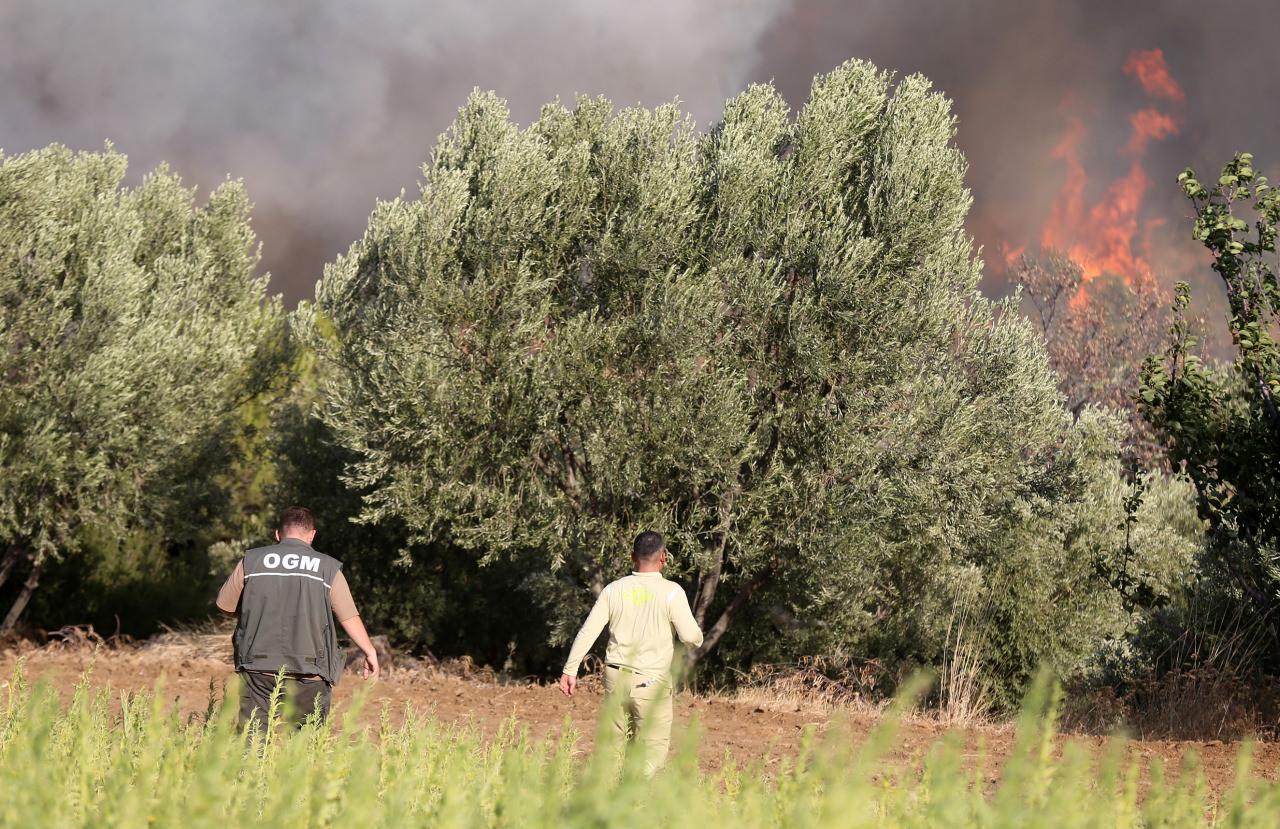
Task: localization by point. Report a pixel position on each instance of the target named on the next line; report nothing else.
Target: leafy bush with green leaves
(133, 325)
(1222, 423)
(423, 596)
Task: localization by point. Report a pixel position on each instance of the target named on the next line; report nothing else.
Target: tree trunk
(707, 588)
(717, 631)
(596, 578)
(1265, 390)
(20, 604)
(11, 557)
(710, 581)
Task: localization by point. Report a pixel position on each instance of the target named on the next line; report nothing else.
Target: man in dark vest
(285, 598)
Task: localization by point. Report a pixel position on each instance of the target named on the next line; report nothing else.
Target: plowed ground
(758, 734)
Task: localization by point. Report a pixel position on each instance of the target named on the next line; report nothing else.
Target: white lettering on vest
(292, 561)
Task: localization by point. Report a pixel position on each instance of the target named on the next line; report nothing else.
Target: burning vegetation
(1111, 236)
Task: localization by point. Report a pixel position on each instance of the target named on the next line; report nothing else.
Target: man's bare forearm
(355, 629)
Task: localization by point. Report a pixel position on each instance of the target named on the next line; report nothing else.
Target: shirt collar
(654, 574)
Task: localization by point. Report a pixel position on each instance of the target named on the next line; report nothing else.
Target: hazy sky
(324, 106)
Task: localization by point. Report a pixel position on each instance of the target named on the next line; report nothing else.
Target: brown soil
(757, 734)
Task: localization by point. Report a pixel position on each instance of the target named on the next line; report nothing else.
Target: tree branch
(11, 557)
(717, 631)
(709, 583)
(20, 604)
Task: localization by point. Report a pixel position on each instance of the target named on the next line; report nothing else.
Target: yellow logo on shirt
(638, 596)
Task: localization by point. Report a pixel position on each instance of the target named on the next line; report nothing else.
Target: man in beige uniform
(641, 610)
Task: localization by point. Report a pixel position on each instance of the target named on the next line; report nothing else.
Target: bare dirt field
(758, 733)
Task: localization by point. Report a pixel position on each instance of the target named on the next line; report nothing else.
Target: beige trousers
(640, 713)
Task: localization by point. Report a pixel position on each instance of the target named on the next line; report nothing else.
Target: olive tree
(764, 341)
(132, 326)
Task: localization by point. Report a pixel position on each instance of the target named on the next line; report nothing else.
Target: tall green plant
(114, 759)
(1223, 423)
(132, 327)
(764, 341)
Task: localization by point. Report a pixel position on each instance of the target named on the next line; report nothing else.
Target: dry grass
(1196, 704)
(1205, 687)
(209, 640)
(814, 685)
(964, 697)
(864, 687)
(1192, 704)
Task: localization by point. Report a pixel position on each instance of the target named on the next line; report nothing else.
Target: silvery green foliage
(131, 326)
(764, 341)
(1048, 573)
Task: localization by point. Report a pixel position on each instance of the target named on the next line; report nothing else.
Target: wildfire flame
(1010, 254)
(1153, 73)
(1110, 236)
(1149, 125)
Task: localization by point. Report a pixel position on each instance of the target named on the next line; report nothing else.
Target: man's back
(286, 616)
(642, 611)
(285, 598)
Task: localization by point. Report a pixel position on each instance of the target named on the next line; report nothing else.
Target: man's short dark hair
(647, 546)
(298, 519)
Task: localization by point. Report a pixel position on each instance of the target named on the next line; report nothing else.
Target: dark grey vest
(286, 619)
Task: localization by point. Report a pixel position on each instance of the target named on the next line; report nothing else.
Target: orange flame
(1106, 237)
(1112, 228)
(1150, 125)
(1064, 216)
(1011, 254)
(1153, 73)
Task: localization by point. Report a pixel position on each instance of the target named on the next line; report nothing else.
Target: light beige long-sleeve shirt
(642, 610)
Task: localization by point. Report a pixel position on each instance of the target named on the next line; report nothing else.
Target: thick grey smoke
(322, 106)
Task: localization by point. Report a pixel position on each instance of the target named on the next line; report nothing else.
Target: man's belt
(644, 684)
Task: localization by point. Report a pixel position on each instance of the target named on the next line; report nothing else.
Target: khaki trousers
(640, 712)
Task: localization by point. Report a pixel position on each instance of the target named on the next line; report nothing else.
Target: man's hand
(568, 684)
(355, 629)
(370, 668)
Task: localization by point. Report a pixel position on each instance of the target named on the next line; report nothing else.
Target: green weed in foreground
(138, 763)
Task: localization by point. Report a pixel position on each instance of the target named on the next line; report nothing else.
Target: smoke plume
(1075, 117)
(324, 106)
